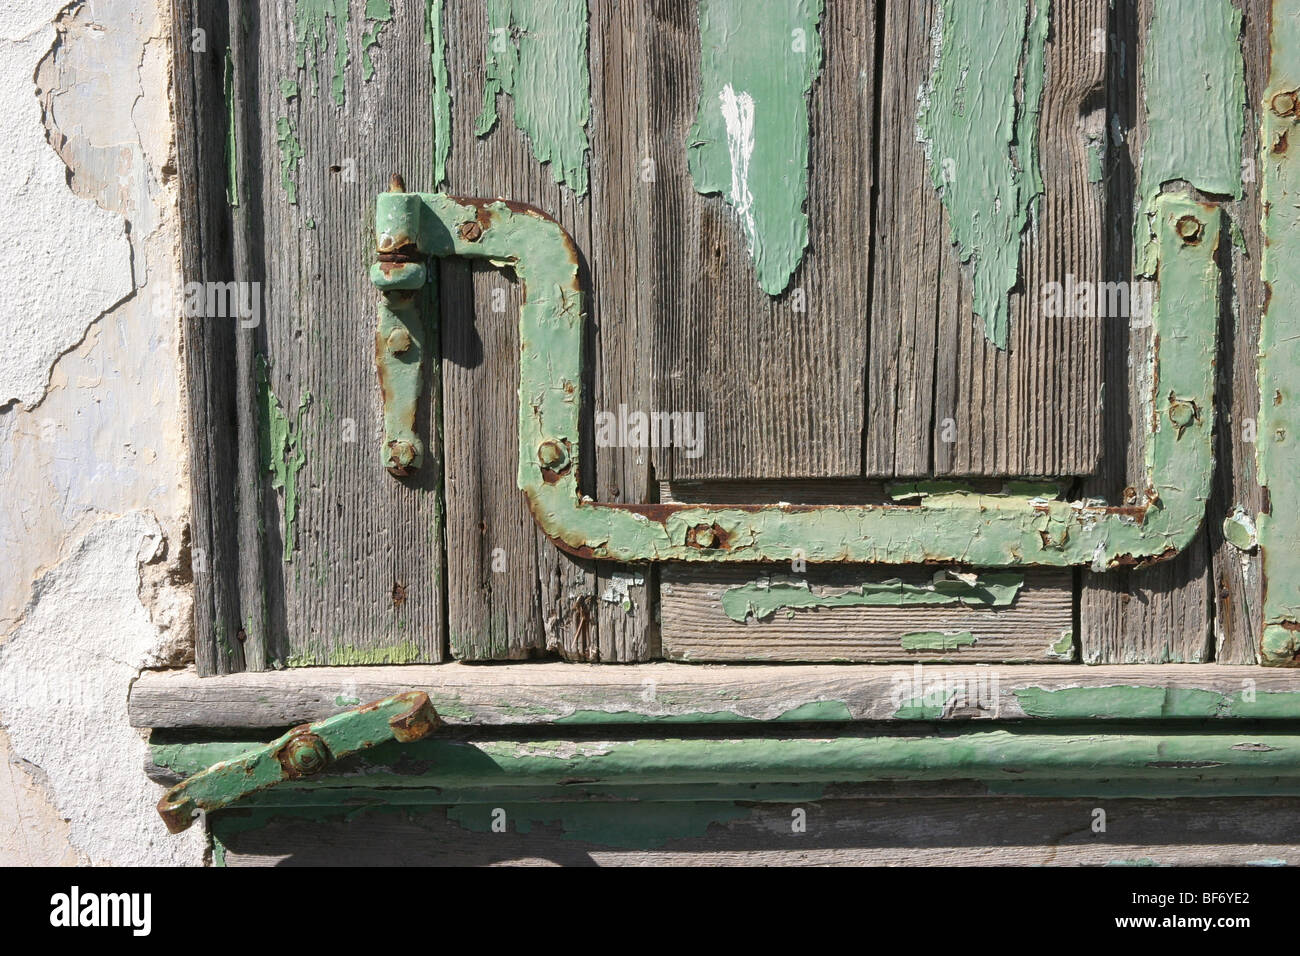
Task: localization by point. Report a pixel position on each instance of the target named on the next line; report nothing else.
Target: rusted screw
(471, 231)
(705, 537)
(1190, 229)
(305, 755)
(399, 340)
(552, 454)
(402, 452)
(396, 184)
(1284, 104)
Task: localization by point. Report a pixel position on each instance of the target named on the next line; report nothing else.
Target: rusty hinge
(303, 752)
(1156, 521)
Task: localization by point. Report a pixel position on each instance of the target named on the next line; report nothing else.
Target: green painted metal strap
(1277, 447)
(982, 530)
(303, 752)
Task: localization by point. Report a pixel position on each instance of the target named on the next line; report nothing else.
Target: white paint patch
(64, 678)
(738, 114)
(64, 261)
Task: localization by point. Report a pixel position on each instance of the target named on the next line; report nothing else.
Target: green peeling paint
(288, 89)
(937, 640)
(749, 141)
(537, 54)
(1277, 449)
(1143, 703)
(290, 154)
(349, 656)
(1063, 650)
(766, 596)
(379, 13)
(281, 449)
(316, 21)
(1068, 760)
(440, 95)
(964, 527)
(232, 134)
(1195, 93)
(981, 141)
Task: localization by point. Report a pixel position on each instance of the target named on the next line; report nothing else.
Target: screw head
(703, 536)
(1190, 229)
(399, 340)
(1182, 414)
(552, 454)
(304, 755)
(401, 452)
(471, 231)
(1284, 104)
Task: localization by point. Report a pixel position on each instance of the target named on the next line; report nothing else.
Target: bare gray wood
(541, 693)
(511, 593)
(694, 626)
(364, 580)
(842, 829)
(941, 399)
(1236, 580)
(210, 347)
(780, 390)
(1160, 613)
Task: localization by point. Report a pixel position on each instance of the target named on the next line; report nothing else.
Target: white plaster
(64, 675)
(92, 462)
(64, 261)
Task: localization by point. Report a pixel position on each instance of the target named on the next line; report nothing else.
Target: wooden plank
(941, 398)
(357, 577)
(1236, 579)
(510, 593)
(210, 347)
(780, 390)
(695, 627)
(840, 830)
(619, 311)
(1161, 613)
(542, 693)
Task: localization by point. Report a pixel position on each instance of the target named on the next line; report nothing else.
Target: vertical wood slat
(364, 580)
(1236, 580)
(206, 250)
(1161, 613)
(780, 390)
(510, 593)
(940, 398)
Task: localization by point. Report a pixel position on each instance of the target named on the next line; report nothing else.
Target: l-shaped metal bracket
(963, 526)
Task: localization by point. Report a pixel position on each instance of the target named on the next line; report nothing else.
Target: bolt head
(401, 452)
(399, 340)
(471, 231)
(1190, 229)
(304, 755)
(1284, 104)
(1182, 414)
(704, 536)
(552, 454)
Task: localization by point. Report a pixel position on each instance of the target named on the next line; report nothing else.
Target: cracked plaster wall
(93, 487)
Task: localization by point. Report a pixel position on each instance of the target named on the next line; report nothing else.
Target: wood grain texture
(500, 570)
(694, 626)
(1161, 613)
(842, 830)
(780, 390)
(941, 399)
(542, 693)
(209, 347)
(1236, 580)
(365, 580)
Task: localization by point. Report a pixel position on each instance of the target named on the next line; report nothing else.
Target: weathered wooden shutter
(869, 365)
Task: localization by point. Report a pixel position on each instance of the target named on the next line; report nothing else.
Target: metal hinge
(303, 752)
